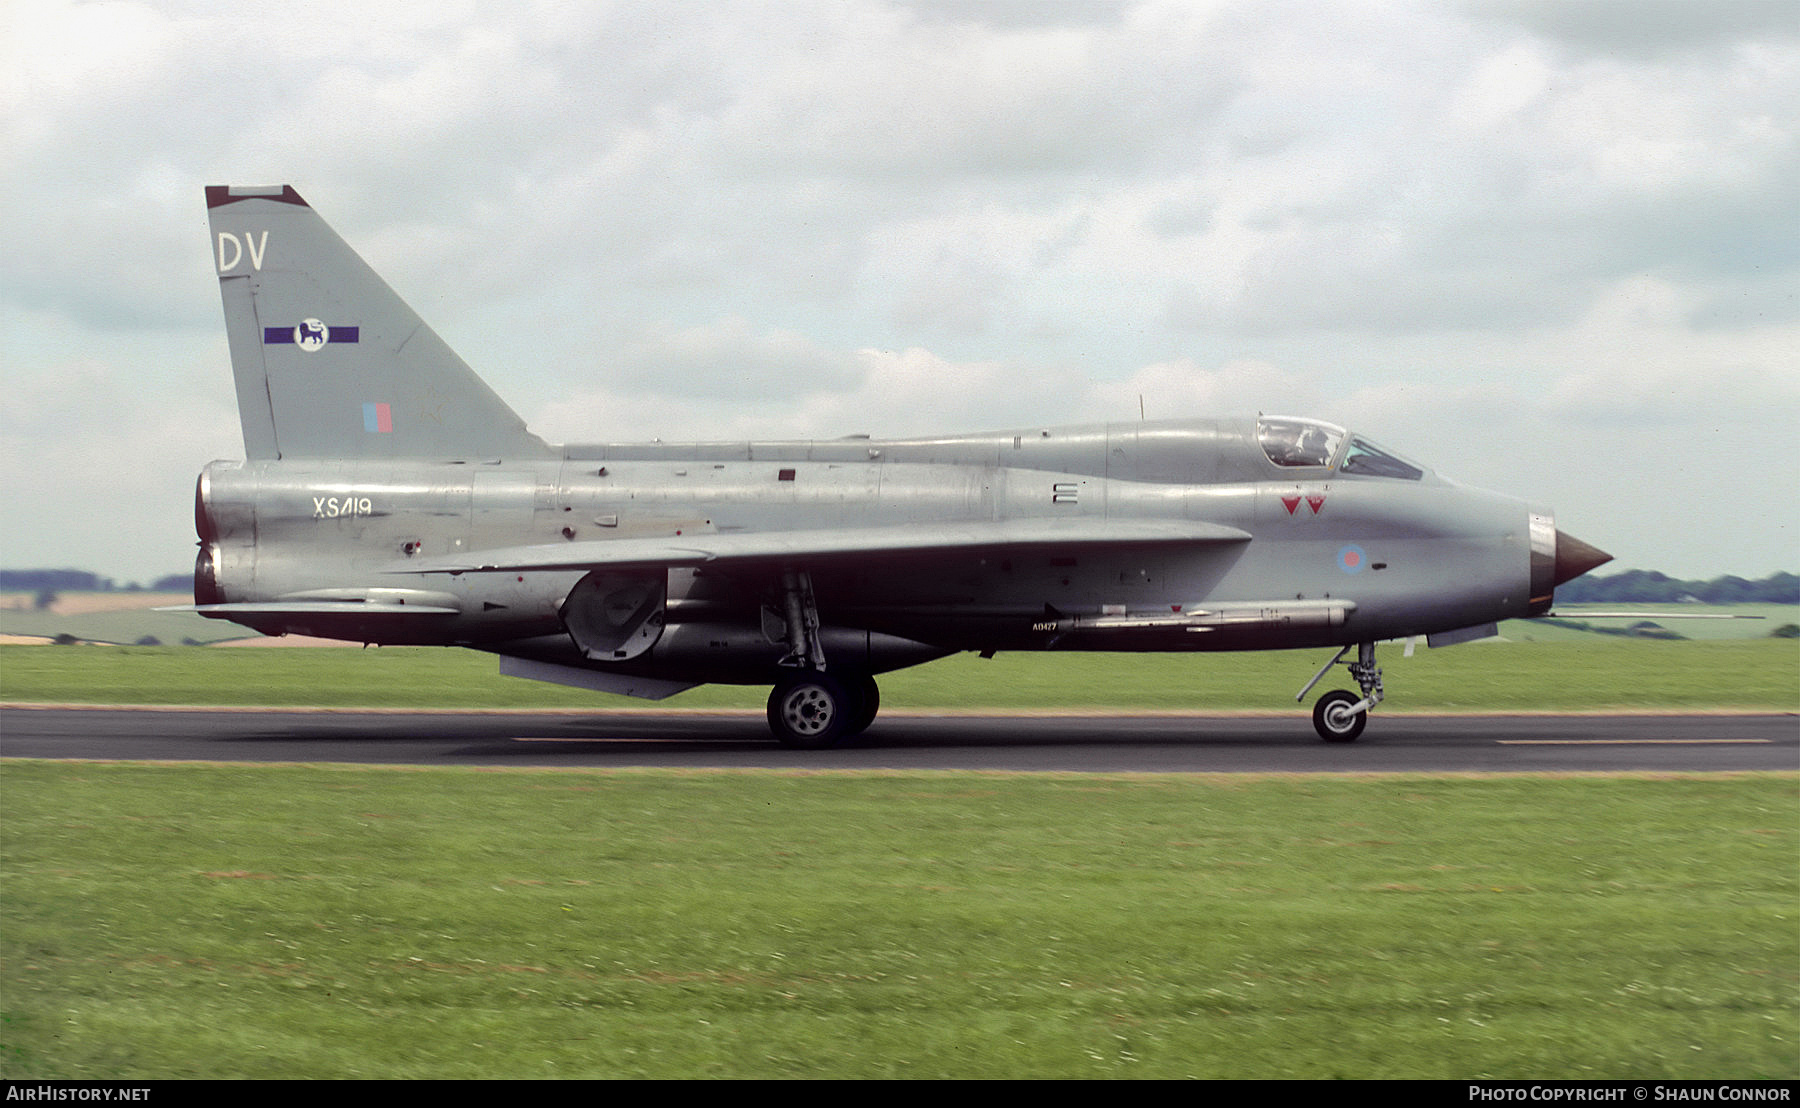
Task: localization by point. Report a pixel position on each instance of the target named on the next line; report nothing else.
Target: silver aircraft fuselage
(389, 496)
(1329, 558)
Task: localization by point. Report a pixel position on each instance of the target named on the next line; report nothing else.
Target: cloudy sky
(1549, 247)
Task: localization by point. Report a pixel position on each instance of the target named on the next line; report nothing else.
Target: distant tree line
(80, 580)
(1639, 586)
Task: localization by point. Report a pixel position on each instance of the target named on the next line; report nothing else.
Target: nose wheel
(1336, 718)
(1340, 715)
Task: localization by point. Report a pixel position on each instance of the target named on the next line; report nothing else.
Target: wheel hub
(807, 710)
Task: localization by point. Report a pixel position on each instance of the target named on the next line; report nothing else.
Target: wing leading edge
(834, 547)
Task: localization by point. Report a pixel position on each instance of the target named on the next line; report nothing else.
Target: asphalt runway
(1102, 744)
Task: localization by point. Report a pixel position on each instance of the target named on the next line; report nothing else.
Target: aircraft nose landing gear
(1339, 716)
(1336, 719)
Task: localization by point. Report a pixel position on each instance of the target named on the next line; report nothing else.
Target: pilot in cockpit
(1315, 448)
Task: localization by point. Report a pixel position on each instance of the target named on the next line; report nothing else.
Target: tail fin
(329, 361)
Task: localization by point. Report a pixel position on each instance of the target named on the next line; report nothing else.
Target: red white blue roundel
(1351, 559)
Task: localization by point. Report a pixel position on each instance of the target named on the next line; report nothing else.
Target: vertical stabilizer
(329, 361)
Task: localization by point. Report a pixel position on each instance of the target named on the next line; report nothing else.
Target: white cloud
(1462, 227)
(1646, 28)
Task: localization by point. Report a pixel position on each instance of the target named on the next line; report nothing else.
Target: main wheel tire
(1334, 721)
(868, 702)
(811, 711)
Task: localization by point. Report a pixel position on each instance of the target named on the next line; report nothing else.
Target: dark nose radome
(1574, 557)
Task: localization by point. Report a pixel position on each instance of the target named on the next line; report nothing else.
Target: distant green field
(1589, 673)
(128, 625)
(1751, 621)
(94, 621)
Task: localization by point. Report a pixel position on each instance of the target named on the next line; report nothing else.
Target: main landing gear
(810, 709)
(1340, 715)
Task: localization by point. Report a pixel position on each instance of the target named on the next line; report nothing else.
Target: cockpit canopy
(1298, 442)
(1314, 444)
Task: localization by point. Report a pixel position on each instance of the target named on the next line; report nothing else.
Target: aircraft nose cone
(1574, 557)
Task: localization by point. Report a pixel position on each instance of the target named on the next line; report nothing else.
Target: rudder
(329, 362)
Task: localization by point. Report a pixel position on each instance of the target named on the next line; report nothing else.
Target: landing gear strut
(810, 709)
(1340, 716)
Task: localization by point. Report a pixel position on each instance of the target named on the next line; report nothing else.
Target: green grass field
(126, 618)
(1751, 621)
(1594, 673)
(117, 618)
(292, 921)
(288, 921)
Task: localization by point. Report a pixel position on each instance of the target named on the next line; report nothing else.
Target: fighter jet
(388, 496)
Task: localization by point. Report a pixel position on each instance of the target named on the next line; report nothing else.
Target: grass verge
(219, 921)
(1563, 676)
